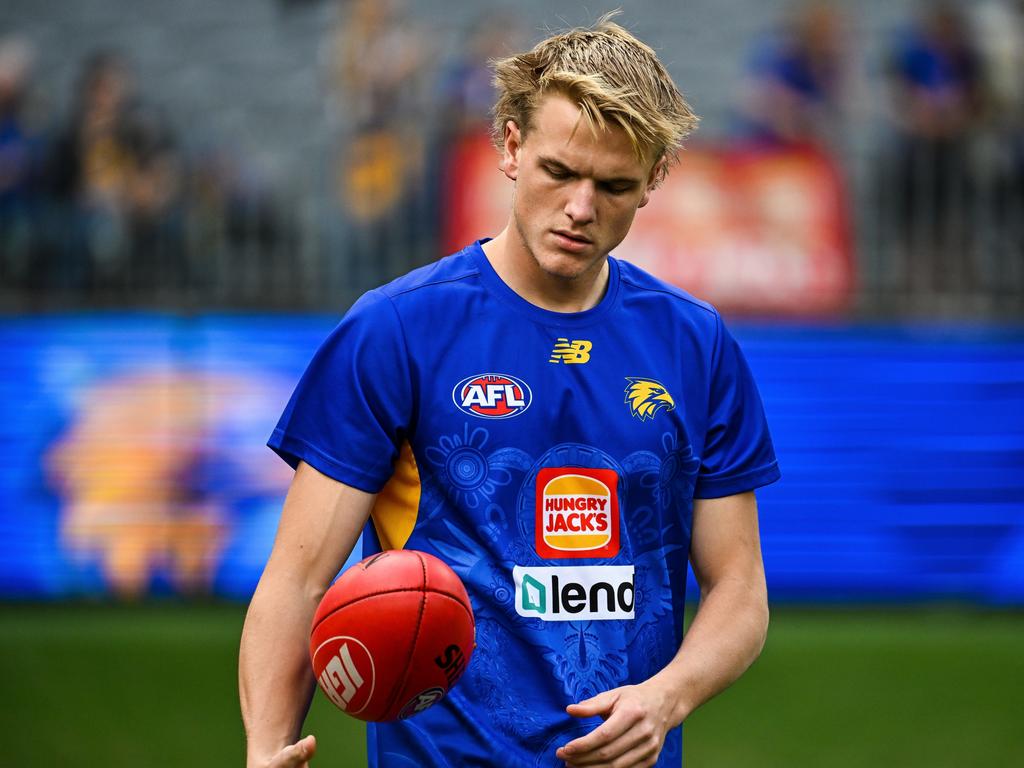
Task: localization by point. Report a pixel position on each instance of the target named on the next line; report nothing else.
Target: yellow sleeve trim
(397, 505)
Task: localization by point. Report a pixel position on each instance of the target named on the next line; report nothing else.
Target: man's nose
(580, 205)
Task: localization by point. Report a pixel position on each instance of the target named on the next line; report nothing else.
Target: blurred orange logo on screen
(577, 512)
(128, 471)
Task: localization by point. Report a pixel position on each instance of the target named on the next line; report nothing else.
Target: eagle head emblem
(646, 397)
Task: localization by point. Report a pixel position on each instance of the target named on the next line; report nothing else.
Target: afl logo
(492, 395)
(421, 702)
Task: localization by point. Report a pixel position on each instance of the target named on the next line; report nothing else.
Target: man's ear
(657, 172)
(513, 145)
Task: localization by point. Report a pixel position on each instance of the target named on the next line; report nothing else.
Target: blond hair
(610, 74)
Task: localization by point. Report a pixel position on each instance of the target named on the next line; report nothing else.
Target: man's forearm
(275, 679)
(727, 635)
(320, 524)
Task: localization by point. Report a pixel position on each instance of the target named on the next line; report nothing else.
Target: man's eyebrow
(554, 163)
(560, 166)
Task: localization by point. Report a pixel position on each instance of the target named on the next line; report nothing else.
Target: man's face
(576, 193)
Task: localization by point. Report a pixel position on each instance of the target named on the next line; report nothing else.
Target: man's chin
(566, 266)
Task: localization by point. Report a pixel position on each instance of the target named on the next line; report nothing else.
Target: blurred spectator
(465, 96)
(935, 83)
(382, 66)
(999, 31)
(936, 76)
(239, 235)
(466, 92)
(998, 28)
(796, 80)
(20, 147)
(114, 176)
(154, 204)
(379, 63)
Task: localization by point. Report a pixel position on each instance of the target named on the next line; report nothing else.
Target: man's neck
(519, 270)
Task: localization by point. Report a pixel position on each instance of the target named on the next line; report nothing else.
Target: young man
(561, 428)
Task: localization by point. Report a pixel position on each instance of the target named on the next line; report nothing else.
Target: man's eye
(556, 173)
(617, 189)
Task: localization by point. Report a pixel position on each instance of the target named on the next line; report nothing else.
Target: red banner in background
(756, 231)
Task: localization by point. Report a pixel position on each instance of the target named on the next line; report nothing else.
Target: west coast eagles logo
(645, 397)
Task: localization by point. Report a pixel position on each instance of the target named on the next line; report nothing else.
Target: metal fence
(939, 234)
(940, 229)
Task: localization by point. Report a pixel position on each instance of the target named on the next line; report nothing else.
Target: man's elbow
(762, 625)
(760, 616)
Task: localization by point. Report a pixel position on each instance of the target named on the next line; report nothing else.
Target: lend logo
(492, 395)
(575, 351)
(583, 593)
(577, 512)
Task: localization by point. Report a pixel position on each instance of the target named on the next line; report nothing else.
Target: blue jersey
(551, 460)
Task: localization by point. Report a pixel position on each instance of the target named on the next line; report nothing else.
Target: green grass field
(154, 685)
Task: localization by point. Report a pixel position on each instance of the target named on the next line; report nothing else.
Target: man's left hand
(636, 719)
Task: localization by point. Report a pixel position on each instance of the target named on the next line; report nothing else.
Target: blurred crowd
(949, 169)
(953, 70)
(99, 198)
(104, 200)
(99, 202)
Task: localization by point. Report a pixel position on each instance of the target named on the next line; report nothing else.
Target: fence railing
(939, 232)
(941, 229)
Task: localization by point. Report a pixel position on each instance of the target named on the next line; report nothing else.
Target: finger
(612, 729)
(606, 753)
(296, 755)
(601, 704)
(640, 756)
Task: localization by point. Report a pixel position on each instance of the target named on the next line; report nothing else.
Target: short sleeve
(352, 407)
(738, 453)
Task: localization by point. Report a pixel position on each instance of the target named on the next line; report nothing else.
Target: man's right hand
(296, 755)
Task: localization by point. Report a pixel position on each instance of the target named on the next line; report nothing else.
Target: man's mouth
(570, 240)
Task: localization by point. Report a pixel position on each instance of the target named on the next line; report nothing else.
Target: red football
(392, 635)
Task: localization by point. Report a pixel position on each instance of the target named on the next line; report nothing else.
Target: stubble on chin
(524, 242)
(559, 266)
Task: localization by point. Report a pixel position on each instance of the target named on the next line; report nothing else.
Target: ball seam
(415, 637)
(457, 598)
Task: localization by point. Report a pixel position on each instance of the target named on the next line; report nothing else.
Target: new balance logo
(575, 351)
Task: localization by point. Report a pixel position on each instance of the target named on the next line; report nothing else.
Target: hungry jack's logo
(577, 512)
